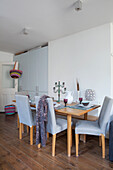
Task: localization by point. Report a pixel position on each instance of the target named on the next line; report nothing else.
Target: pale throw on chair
(98, 127)
(25, 115)
(37, 98)
(55, 125)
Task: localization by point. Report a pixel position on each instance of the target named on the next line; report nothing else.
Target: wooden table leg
(69, 135)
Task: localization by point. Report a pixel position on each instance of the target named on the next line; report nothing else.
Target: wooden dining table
(71, 112)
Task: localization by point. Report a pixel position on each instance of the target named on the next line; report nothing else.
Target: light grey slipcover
(24, 111)
(54, 125)
(96, 127)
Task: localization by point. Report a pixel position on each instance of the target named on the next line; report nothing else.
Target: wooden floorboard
(18, 154)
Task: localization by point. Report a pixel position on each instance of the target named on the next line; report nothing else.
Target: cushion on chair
(61, 124)
(88, 127)
(96, 127)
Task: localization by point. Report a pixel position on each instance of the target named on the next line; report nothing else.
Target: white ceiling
(47, 20)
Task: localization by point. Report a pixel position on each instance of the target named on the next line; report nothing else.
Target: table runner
(75, 107)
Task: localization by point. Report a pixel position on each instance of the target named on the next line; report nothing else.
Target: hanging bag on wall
(15, 73)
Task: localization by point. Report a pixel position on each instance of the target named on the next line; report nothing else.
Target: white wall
(5, 80)
(111, 59)
(34, 65)
(86, 56)
(6, 57)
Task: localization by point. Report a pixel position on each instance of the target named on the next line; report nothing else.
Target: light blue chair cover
(37, 98)
(55, 125)
(96, 127)
(24, 111)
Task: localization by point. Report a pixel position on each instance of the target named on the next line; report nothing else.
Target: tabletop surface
(71, 111)
(75, 112)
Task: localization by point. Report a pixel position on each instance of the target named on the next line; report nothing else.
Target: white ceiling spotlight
(25, 31)
(78, 5)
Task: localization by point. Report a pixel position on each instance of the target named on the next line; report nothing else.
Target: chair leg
(76, 141)
(84, 140)
(22, 128)
(27, 129)
(31, 135)
(18, 123)
(103, 146)
(39, 145)
(20, 131)
(53, 144)
(71, 137)
(100, 141)
(47, 135)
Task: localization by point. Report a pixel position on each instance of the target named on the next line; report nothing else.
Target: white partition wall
(34, 65)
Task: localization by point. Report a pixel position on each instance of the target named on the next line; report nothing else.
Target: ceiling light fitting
(25, 31)
(78, 5)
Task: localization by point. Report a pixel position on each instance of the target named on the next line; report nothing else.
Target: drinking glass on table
(65, 101)
(80, 99)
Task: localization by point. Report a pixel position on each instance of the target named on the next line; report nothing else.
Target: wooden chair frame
(101, 142)
(31, 132)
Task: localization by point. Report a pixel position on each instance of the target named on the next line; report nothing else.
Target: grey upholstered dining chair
(55, 125)
(25, 94)
(98, 127)
(25, 115)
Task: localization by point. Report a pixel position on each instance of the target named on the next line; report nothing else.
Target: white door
(8, 85)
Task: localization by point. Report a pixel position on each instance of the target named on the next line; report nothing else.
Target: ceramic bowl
(85, 103)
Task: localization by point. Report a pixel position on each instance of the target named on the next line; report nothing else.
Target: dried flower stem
(78, 86)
